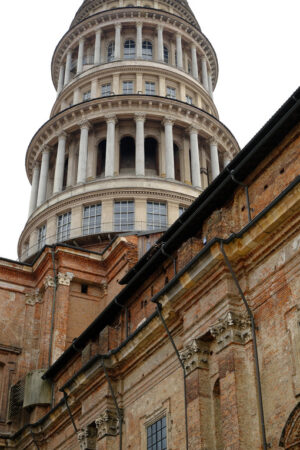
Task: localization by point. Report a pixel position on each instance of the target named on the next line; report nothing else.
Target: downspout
(53, 307)
(159, 311)
(69, 411)
(231, 172)
(119, 412)
(256, 361)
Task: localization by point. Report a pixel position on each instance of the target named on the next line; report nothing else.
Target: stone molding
(87, 438)
(107, 424)
(32, 298)
(63, 279)
(195, 355)
(233, 328)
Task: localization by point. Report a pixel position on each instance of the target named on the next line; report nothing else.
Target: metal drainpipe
(246, 190)
(169, 256)
(33, 439)
(159, 311)
(256, 361)
(69, 411)
(53, 307)
(119, 412)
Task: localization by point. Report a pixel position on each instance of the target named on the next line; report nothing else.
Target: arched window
(127, 156)
(177, 163)
(111, 52)
(129, 49)
(166, 55)
(101, 155)
(151, 157)
(147, 50)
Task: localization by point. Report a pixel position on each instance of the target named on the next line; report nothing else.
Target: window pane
(155, 438)
(124, 216)
(156, 215)
(92, 219)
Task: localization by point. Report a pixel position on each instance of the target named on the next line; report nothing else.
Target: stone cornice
(131, 15)
(233, 328)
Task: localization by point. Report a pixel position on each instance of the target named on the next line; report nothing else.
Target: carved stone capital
(140, 117)
(87, 438)
(49, 282)
(85, 124)
(107, 424)
(65, 279)
(46, 149)
(62, 136)
(232, 328)
(168, 121)
(195, 355)
(32, 298)
(111, 118)
(103, 288)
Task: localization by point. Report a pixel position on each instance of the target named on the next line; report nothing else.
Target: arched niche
(101, 157)
(151, 156)
(127, 156)
(290, 437)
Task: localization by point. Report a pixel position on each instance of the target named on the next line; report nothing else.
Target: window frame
(127, 51)
(61, 234)
(127, 91)
(151, 91)
(153, 429)
(145, 50)
(121, 225)
(111, 51)
(88, 227)
(108, 93)
(87, 96)
(42, 232)
(171, 92)
(189, 99)
(163, 216)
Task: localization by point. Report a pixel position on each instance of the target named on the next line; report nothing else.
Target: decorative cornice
(232, 328)
(107, 424)
(195, 355)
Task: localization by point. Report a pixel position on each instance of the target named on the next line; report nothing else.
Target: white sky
(256, 41)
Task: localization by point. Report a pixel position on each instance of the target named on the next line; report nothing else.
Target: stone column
(169, 146)
(139, 40)
(71, 166)
(160, 43)
(140, 145)
(83, 152)
(210, 86)
(43, 176)
(179, 51)
(118, 41)
(97, 54)
(204, 73)
(60, 84)
(34, 188)
(110, 146)
(195, 162)
(80, 56)
(60, 163)
(68, 67)
(214, 159)
(226, 160)
(195, 71)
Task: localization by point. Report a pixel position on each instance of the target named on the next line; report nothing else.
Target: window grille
(129, 49)
(127, 87)
(111, 52)
(16, 399)
(63, 227)
(150, 88)
(41, 237)
(171, 92)
(156, 215)
(147, 50)
(91, 219)
(124, 216)
(157, 435)
(106, 90)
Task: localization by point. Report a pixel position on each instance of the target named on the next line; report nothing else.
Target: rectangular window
(150, 88)
(87, 96)
(189, 100)
(127, 87)
(91, 219)
(106, 90)
(63, 227)
(157, 435)
(182, 209)
(124, 216)
(156, 215)
(171, 92)
(41, 237)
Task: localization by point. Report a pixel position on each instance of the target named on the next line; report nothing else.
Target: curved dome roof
(89, 6)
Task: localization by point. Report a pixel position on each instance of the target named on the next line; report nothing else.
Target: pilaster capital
(111, 118)
(65, 279)
(140, 117)
(85, 124)
(49, 282)
(87, 438)
(232, 328)
(32, 298)
(168, 121)
(118, 26)
(107, 424)
(195, 355)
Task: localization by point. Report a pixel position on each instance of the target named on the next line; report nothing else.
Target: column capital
(160, 28)
(46, 149)
(193, 46)
(232, 328)
(193, 130)
(213, 141)
(62, 135)
(168, 121)
(87, 438)
(107, 424)
(178, 35)
(36, 165)
(99, 32)
(140, 117)
(65, 278)
(111, 118)
(118, 26)
(195, 355)
(85, 124)
(139, 24)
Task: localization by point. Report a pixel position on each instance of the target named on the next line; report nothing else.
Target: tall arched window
(166, 55)
(147, 50)
(151, 157)
(129, 49)
(101, 155)
(111, 52)
(127, 156)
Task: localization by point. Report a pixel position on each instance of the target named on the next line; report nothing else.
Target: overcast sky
(256, 41)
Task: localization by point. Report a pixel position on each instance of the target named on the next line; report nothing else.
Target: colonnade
(65, 69)
(41, 170)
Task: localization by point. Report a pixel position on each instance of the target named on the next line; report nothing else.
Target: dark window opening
(177, 163)
(127, 156)
(84, 288)
(65, 173)
(157, 435)
(101, 156)
(151, 157)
